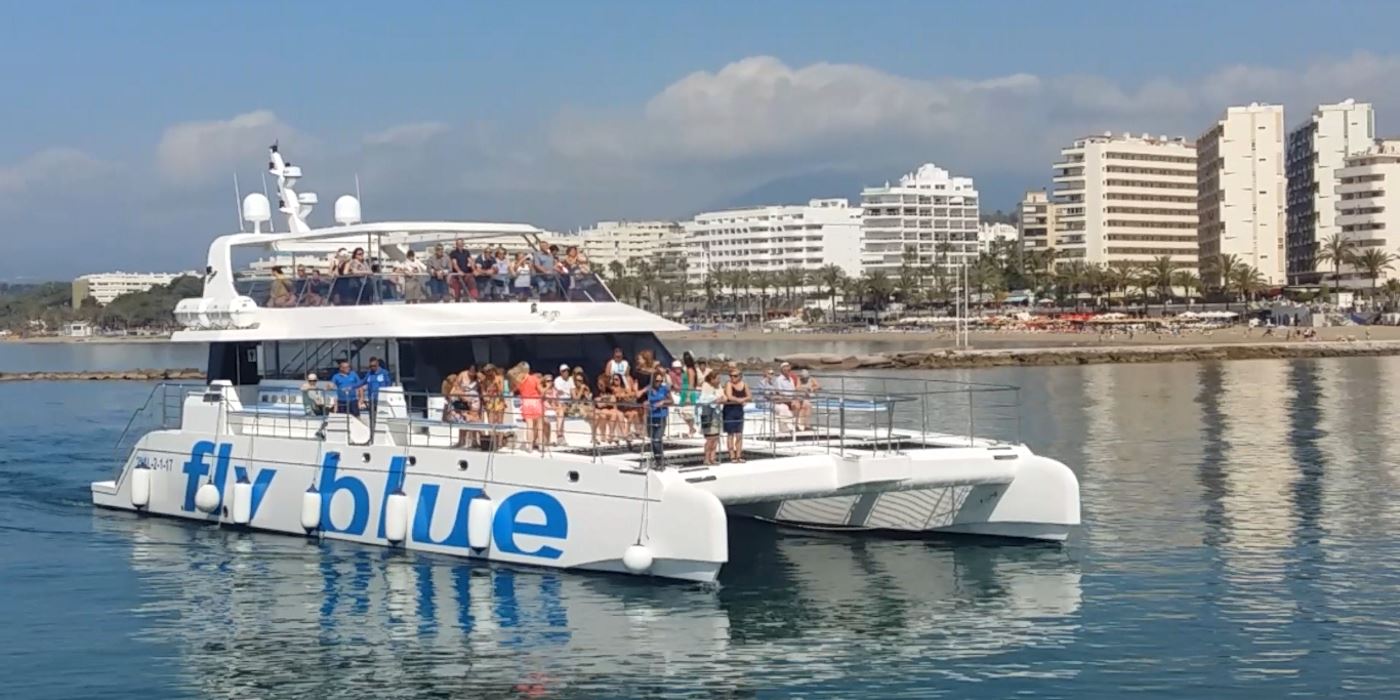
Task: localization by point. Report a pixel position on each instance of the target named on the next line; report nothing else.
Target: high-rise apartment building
(1314, 153)
(1035, 221)
(929, 218)
(774, 238)
(625, 241)
(1368, 206)
(1126, 198)
(1240, 203)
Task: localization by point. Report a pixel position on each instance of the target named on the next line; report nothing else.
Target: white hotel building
(622, 241)
(1240, 205)
(1368, 205)
(930, 215)
(1126, 198)
(107, 286)
(774, 238)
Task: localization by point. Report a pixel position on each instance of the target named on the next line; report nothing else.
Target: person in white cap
(564, 391)
(312, 396)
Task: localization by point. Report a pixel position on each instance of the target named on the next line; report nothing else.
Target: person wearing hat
(313, 399)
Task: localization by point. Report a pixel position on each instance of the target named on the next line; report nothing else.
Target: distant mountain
(798, 189)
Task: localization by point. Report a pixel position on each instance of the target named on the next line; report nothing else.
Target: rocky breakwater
(131, 375)
(1086, 355)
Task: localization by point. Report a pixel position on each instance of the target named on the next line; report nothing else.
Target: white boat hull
(547, 512)
(1039, 502)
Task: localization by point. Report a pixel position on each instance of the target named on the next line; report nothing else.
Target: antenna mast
(238, 203)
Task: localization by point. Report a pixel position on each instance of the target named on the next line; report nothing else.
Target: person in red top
(527, 387)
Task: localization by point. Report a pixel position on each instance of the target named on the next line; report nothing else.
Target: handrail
(374, 289)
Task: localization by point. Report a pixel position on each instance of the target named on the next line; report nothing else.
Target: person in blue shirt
(658, 406)
(348, 390)
(374, 379)
(543, 268)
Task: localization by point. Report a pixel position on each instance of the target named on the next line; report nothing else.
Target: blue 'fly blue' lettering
(359, 494)
(507, 523)
(196, 468)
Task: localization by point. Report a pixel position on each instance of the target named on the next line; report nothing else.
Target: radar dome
(256, 209)
(347, 210)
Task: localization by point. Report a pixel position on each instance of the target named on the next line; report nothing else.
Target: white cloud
(195, 152)
(53, 173)
(412, 134)
(760, 108)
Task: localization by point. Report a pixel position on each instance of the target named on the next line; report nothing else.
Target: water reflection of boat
(254, 615)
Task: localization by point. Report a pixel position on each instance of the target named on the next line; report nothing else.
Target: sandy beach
(997, 339)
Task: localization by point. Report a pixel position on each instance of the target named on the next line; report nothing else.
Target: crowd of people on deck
(439, 275)
(625, 402)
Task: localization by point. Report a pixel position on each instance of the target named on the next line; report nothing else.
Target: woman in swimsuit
(736, 396)
(493, 399)
(466, 400)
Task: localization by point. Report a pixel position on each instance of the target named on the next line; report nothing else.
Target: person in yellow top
(281, 292)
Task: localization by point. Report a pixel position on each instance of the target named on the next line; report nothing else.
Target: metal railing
(850, 414)
(374, 289)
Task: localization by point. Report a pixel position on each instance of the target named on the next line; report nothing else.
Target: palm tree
(1189, 282)
(740, 281)
(647, 278)
(879, 287)
(1070, 279)
(1392, 291)
(908, 283)
(708, 285)
(1121, 273)
(762, 280)
(1247, 281)
(1159, 273)
(1096, 279)
(1338, 251)
(789, 279)
(1373, 262)
(986, 273)
(1218, 270)
(831, 276)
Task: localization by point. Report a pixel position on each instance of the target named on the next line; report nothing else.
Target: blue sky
(124, 121)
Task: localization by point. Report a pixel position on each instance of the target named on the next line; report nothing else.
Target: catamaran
(248, 449)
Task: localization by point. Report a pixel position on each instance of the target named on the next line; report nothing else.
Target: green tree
(831, 277)
(1337, 251)
(1188, 281)
(878, 286)
(1159, 273)
(1246, 280)
(1373, 262)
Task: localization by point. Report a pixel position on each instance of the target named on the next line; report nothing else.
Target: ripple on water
(1240, 541)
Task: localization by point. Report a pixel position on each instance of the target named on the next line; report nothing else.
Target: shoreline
(130, 375)
(923, 359)
(1118, 354)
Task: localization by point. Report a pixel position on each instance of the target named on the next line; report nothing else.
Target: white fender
(140, 487)
(638, 558)
(242, 502)
(480, 513)
(311, 509)
(396, 517)
(207, 498)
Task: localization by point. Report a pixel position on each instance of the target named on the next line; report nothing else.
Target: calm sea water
(1242, 539)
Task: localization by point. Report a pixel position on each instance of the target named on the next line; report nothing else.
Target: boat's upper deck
(395, 279)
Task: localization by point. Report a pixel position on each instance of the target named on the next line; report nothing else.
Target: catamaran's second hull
(1039, 502)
